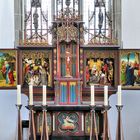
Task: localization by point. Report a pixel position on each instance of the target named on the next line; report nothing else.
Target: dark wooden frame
(37, 90)
(101, 54)
(99, 89)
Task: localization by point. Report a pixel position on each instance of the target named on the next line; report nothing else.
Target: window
(37, 20)
(98, 18)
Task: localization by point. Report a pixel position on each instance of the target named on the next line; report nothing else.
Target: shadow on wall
(8, 113)
(130, 115)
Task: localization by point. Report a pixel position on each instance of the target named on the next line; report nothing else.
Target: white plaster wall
(6, 23)
(8, 114)
(130, 115)
(130, 24)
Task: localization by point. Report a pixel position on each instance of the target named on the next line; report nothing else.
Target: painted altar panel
(8, 68)
(68, 123)
(37, 67)
(88, 123)
(39, 123)
(99, 67)
(130, 69)
(68, 93)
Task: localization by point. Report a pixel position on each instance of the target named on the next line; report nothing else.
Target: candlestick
(32, 132)
(119, 95)
(19, 132)
(92, 95)
(44, 128)
(30, 95)
(44, 95)
(93, 125)
(105, 95)
(18, 94)
(106, 134)
(119, 132)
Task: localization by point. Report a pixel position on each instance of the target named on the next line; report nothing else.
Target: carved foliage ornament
(67, 33)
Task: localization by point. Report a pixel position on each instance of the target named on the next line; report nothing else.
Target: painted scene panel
(130, 69)
(37, 68)
(8, 68)
(99, 71)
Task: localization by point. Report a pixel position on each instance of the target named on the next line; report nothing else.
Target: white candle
(18, 94)
(53, 122)
(105, 95)
(44, 95)
(119, 95)
(92, 95)
(82, 122)
(30, 94)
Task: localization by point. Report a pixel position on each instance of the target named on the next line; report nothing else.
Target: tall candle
(44, 95)
(119, 95)
(18, 94)
(82, 122)
(53, 122)
(92, 95)
(105, 95)
(30, 94)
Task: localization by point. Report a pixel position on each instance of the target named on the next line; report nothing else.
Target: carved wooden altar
(67, 51)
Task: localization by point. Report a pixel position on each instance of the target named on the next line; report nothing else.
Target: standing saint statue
(35, 20)
(100, 19)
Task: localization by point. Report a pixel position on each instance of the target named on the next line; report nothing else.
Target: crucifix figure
(68, 61)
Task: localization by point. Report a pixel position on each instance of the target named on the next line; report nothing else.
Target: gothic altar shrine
(69, 45)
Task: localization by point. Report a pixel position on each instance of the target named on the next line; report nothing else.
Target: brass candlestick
(44, 132)
(93, 125)
(119, 134)
(19, 135)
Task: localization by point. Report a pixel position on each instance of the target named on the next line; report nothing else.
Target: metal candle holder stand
(19, 134)
(32, 133)
(93, 125)
(44, 132)
(106, 135)
(119, 132)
